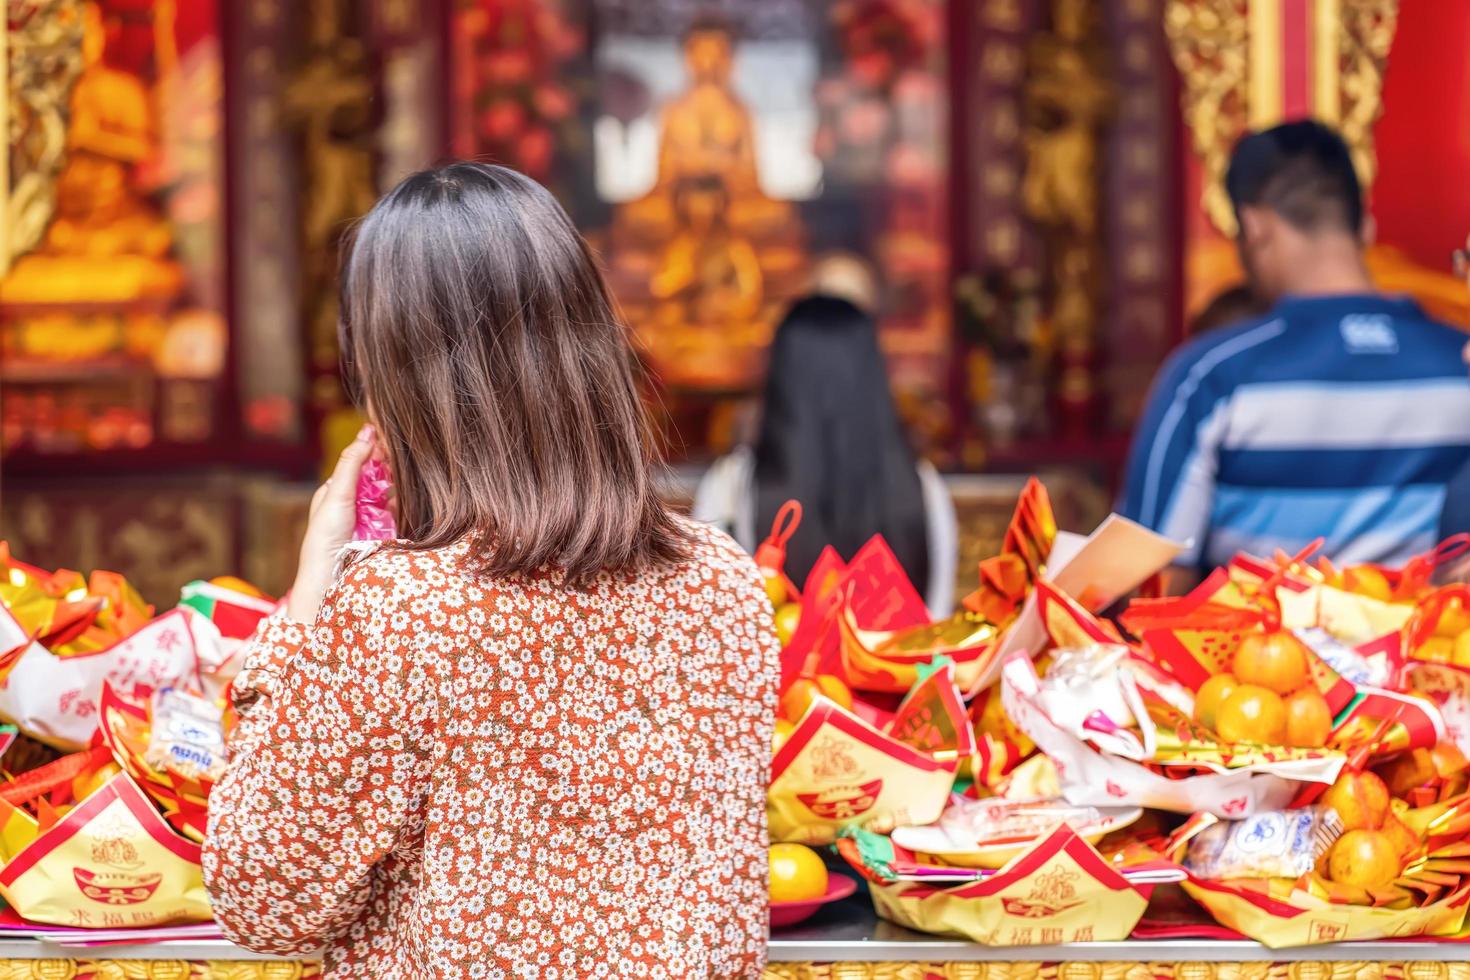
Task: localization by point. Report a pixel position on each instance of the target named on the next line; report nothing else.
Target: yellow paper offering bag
(110, 861)
(1301, 919)
(1059, 891)
(838, 771)
(1428, 899)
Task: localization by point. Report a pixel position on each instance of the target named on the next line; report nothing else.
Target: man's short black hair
(1303, 171)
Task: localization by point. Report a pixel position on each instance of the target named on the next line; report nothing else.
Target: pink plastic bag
(374, 519)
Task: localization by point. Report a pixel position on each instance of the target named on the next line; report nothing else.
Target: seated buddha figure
(106, 241)
(707, 132)
(707, 293)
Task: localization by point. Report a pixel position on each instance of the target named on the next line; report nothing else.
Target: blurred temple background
(1028, 189)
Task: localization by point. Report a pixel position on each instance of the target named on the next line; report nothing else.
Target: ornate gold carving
(1208, 41)
(43, 51)
(223, 970)
(1212, 48)
(1068, 97)
(1367, 33)
(329, 100)
(156, 970)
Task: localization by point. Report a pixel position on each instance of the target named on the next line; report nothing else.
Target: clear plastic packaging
(1272, 844)
(187, 735)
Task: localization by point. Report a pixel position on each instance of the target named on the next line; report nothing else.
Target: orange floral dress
(450, 776)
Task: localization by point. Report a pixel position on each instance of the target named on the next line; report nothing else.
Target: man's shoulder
(1228, 353)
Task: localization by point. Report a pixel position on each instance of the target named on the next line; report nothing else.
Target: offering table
(846, 941)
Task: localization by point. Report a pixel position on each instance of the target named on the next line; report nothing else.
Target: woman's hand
(328, 527)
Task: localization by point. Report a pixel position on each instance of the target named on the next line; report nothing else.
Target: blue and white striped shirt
(1341, 417)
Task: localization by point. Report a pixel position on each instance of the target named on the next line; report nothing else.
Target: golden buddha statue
(706, 259)
(106, 242)
(708, 288)
(707, 133)
(703, 262)
(709, 278)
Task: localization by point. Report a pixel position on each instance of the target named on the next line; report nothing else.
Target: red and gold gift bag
(1432, 633)
(1193, 656)
(932, 717)
(836, 771)
(108, 861)
(1060, 891)
(812, 648)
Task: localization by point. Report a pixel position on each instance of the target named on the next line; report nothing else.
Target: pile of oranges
(1382, 831)
(1450, 642)
(1267, 697)
(1376, 843)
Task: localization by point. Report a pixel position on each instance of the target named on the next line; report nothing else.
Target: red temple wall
(1422, 196)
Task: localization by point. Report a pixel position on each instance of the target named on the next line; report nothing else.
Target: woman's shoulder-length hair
(482, 340)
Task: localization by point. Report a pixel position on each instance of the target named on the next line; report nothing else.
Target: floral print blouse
(451, 776)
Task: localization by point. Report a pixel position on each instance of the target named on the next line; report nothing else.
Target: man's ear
(1255, 226)
(1368, 234)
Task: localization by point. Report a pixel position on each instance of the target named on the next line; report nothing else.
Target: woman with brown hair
(531, 736)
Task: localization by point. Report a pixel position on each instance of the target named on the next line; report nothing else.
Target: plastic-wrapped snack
(1273, 844)
(187, 735)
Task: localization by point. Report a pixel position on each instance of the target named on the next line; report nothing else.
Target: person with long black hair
(830, 437)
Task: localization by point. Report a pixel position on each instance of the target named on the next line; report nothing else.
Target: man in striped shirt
(1340, 414)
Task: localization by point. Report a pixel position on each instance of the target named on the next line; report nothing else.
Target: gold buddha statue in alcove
(107, 243)
(703, 260)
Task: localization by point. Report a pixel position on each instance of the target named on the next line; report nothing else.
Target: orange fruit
(1461, 655)
(1405, 841)
(775, 587)
(1365, 858)
(1367, 581)
(1252, 714)
(799, 695)
(1421, 767)
(797, 873)
(1360, 799)
(1276, 661)
(788, 618)
(1207, 699)
(1308, 719)
(1448, 759)
(1404, 772)
(1436, 650)
(783, 731)
(1454, 618)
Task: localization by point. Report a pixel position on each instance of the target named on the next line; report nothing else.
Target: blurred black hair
(1303, 171)
(709, 22)
(1232, 306)
(831, 437)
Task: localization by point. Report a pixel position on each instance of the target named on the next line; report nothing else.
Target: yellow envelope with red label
(1286, 912)
(108, 861)
(1059, 891)
(836, 770)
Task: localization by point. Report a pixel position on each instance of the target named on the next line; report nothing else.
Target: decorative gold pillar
(1249, 64)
